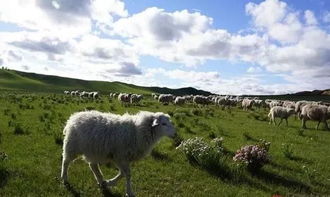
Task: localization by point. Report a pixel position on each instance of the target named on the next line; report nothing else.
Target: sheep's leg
(67, 158)
(303, 123)
(114, 180)
(318, 124)
(286, 120)
(97, 173)
(280, 122)
(127, 174)
(326, 125)
(274, 121)
(64, 172)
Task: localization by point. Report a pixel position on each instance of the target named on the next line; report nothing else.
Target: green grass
(33, 165)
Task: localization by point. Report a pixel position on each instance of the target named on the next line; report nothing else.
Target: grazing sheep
(280, 112)
(136, 98)
(315, 112)
(67, 92)
(96, 95)
(247, 104)
(289, 104)
(275, 103)
(104, 137)
(165, 98)
(299, 105)
(124, 98)
(179, 100)
(260, 103)
(202, 100)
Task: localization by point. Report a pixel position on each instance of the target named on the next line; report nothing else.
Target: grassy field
(31, 135)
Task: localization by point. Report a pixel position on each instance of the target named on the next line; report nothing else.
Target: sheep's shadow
(4, 176)
(300, 159)
(276, 179)
(275, 165)
(160, 156)
(72, 190)
(108, 193)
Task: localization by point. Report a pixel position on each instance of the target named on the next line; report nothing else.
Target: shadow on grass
(275, 179)
(4, 175)
(160, 156)
(300, 159)
(261, 179)
(275, 165)
(72, 190)
(107, 192)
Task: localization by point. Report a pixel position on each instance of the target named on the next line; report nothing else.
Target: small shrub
(253, 156)
(287, 151)
(201, 153)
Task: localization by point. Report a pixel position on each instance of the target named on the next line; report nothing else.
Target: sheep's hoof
(130, 195)
(103, 184)
(110, 183)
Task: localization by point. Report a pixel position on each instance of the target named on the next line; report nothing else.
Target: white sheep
(247, 103)
(280, 112)
(320, 113)
(96, 95)
(136, 98)
(203, 100)
(124, 98)
(165, 98)
(104, 137)
(179, 100)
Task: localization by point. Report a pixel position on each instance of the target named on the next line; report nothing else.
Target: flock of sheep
(122, 139)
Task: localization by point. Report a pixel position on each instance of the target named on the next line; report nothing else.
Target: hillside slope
(17, 80)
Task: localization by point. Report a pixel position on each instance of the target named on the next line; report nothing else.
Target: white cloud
(67, 18)
(310, 18)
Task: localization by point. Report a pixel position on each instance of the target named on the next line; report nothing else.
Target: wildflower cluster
(199, 152)
(255, 156)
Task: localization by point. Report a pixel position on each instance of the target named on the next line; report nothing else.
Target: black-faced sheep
(104, 137)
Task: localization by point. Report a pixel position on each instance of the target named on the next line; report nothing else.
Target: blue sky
(223, 46)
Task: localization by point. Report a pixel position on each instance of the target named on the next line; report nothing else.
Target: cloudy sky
(223, 46)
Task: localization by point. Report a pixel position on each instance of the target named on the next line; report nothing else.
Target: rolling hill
(24, 81)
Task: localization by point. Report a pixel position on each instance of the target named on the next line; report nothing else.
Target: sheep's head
(290, 111)
(162, 125)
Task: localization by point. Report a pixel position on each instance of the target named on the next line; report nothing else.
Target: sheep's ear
(155, 123)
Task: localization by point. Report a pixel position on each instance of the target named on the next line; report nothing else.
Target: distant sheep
(104, 137)
(165, 98)
(280, 112)
(247, 104)
(136, 98)
(201, 100)
(124, 98)
(179, 100)
(319, 113)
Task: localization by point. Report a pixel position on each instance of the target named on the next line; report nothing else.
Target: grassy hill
(17, 80)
